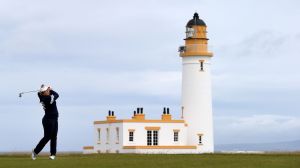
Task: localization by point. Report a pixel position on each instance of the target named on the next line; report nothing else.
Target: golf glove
(52, 99)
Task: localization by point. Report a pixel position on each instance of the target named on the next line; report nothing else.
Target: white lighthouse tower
(196, 86)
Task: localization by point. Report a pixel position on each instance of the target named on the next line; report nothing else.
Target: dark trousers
(50, 133)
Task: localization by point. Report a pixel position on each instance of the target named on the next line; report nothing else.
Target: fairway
(150, 161)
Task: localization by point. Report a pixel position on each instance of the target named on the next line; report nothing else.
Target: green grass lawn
(155, 161)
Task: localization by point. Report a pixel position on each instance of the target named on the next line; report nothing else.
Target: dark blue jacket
(49, 104)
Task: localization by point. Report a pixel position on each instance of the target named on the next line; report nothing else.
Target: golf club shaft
(29, 91)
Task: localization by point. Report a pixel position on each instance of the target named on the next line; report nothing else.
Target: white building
(192, 134)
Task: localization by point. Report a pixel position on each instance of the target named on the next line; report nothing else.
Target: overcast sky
(118, 55)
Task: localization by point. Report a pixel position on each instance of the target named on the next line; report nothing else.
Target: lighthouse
(193, 133)
(196, 97)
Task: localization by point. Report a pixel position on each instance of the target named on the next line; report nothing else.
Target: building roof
(195, 21)
(140, 118)
(138, 121)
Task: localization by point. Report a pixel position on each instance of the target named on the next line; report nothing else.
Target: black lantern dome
(195, 21)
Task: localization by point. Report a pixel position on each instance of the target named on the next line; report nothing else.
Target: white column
(197, 101)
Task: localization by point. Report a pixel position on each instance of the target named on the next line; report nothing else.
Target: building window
(107, 135)
(99, 134)
(149, 138)
(176, 136)
(152, 137)
(155, 137)
(131, 136)
(200, 139)
(117, 135)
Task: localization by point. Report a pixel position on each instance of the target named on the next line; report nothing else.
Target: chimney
(111, 116)
(166, 114)
(139, 114)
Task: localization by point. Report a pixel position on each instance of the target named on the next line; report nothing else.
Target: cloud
(90, 35)
(94, 86)
(256, 128)
(258, 73)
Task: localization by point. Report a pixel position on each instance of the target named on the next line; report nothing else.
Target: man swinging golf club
(48, 100)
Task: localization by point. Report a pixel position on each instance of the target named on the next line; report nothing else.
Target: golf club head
(32, 91)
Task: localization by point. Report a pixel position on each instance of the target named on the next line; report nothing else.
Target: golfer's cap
(44, 88)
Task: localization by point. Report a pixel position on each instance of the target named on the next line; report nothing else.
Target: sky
(119, 55)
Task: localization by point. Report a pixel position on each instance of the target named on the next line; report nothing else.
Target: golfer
(48, 99)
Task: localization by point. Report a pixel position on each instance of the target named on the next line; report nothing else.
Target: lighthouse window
(182, 108)
(201, 65)
(131, 136)
(200, 139)
(189, 32)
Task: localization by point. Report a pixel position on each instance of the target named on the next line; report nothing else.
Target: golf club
(32, 91)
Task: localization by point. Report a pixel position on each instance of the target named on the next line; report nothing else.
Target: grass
(160, 161)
